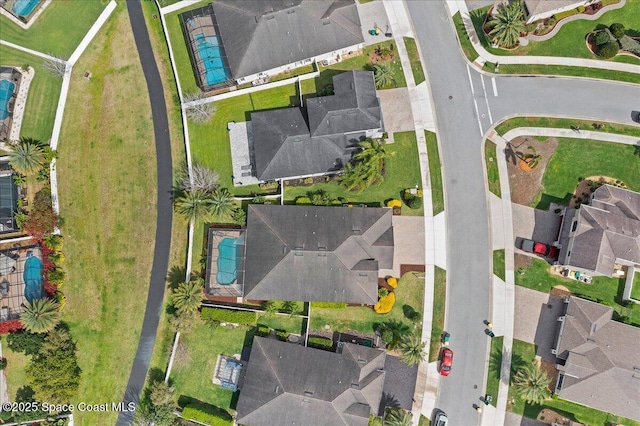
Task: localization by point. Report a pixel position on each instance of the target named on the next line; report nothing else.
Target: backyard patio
(18, 264)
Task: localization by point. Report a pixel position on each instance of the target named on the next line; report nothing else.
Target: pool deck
(15, 297)
(18, 107)
(212, 286)
(31, 20)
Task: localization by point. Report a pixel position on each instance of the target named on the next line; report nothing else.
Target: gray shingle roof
(536, 7)
(602, 356)
(608, 231)
(313, 253)
(291, 384)
(262, 35)
(285, 147)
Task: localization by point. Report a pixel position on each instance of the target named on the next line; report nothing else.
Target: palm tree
(532, 384)
(373, 152)
(398, 417)
(27, 157)
(187, 296)
(383, 75)
(40, 315)
(412, 349)
(507, 24)
(367, 166)
(222, 203)
(397, 330)
(194, 204)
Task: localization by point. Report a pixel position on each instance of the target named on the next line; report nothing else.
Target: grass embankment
(58, 31)
(498, 263)
(42, 99)
(493, 174)
(566, 123)
(495, 363)
(409, 292)
(414, 59)
(435, 172)
(439, 304)
(107, 190)
(605, 290)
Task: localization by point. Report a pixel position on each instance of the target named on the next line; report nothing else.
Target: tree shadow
(510, 154)
(387, 401)
(175, 276)
(546, 200)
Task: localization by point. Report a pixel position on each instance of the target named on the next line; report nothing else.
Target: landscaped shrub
(54, 242)
(319, 342)
(630, 45)
(386, 335)
(414, 203)
(303, 200)
(608, 50)
(56, 276)
(3, 363)
(393, 282)
(228, 315)
(601, 37)
(263, 331)
(219, 417)
(580, 9)
(617, 30)
(25, 342)
(414, 316)
(565, 14)
(282, 335)
(329, 305)
(268, 186)
(394, 203)
(382, 292)
(385, 304)
(41, 220)
(9, 326)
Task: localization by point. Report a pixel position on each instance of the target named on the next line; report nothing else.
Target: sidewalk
(485, 56)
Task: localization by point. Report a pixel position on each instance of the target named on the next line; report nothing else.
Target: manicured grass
(533, 69)
(107, 191)
(414, 58)
(192, 374)
(605, 290)
(423, 421)
(575, 159)
(283, 322)
(364, 319)
(493, 174)
(58, 30)
(498, 263)
(635, 289)
(523, 354)
(435, 172)
(495, 363)
(403, 171)
(463, 38)
(566, 123)
(42, 99)
(439, 304)
(307, 69)
(16, 376)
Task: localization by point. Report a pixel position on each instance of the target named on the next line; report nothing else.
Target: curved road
(165, 211)
(465, 106)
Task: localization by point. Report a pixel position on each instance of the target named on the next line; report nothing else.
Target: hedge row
(329, 305)
(263, 331)
(282, 335)
(320, 342)
(228, 315)
(210, 417)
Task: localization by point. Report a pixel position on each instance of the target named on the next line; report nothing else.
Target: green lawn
(495, 363)
(635, 289)
(361, 318)
(423, 421)
(58, 30)
(605, 290)
(44, 92)
(566, 123)
(435, 172)
(439, 304)
(283, 322)
(403, 171)
(523, 354)
(15, 371)
(463, 38)
(192, 372)
(414, 58)
(498, 263)
(575, 159)
(493, 174)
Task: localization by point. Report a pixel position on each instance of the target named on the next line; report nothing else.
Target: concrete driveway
(408, 238)
(534, 224)
(396, 111)
(536, 319)
(373, 15)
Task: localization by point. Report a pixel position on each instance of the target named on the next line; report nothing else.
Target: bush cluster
(393, 282)
(320, 342)
(608, 50)
(601, 37)
(617, 30)
(219, 417)
(228, 315)
(394, 203)
(329, 305)
(385, 304)
(263, 331)
(282, 335)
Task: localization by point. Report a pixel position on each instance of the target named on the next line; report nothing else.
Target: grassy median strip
(493, 174)
(495, 364)
(435, 172)
(498, 263)
(566, 123)
(463, 37)
(414, 59)
(439, 304)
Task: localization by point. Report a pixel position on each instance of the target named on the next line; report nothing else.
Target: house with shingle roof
(289, 384)
(535, 10)
(598, 359)
(313, 253)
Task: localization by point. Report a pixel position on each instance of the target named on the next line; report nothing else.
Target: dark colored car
(539, 248)
(446, 360)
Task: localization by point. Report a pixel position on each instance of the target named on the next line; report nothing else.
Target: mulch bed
(411, 268)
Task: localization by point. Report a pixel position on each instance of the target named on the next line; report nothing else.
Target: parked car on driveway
(540, 249)
(446, 360)
(441, 419)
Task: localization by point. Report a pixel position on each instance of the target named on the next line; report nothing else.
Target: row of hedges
(228, 315)
(219, 417)
(320, 343)
(329, 305)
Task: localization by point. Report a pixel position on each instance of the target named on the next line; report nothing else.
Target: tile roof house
(535, 10)
(285, 146)
(271, 36)
(289, 384)
(598, 359)
(601, 237)
(312, 253)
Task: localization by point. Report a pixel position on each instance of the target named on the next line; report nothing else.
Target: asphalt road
(165, 212)
(466, 105)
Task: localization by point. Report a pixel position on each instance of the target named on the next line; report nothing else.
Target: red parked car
(446, 359)
(539, 248)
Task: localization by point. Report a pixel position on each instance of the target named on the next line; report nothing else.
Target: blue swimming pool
(33, 279)
(211, 57)
(227, 261)
(6, 90)
(24, 7)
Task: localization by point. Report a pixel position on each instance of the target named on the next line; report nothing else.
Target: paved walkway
(30, 51)
(165, 212)
(568, 133)
(485, 56)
